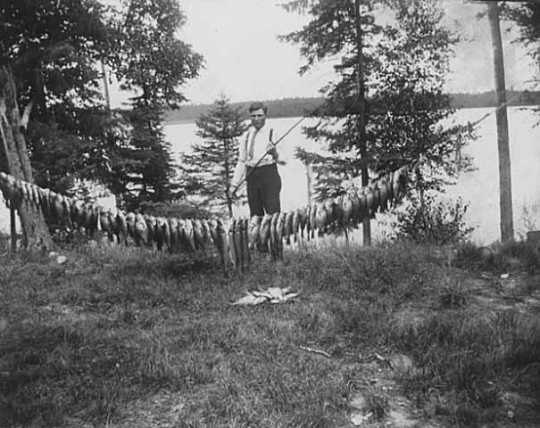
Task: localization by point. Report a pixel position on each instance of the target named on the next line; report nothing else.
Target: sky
(244, 60)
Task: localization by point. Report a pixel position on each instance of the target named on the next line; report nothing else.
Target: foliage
(332, 33)
(527, 17)
(433, 221)
(208, 170)
(53, 49)
(405, 67)
(178, 209)
(149, 59)
(56, 50)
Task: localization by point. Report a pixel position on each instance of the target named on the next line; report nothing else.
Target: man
(257, 163)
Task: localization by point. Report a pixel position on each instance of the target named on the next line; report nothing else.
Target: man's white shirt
(253, 147)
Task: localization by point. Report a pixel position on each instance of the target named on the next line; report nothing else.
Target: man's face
(258, 118)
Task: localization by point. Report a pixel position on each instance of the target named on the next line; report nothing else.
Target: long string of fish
(234, 239)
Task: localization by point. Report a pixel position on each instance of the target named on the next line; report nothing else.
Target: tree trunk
(366, 224)
(505, 179)
(13, 226)
(33, 224)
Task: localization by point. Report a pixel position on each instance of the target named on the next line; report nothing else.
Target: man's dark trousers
(263, 188)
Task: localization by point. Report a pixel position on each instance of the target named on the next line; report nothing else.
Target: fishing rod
(298, 122)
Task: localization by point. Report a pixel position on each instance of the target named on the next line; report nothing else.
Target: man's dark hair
(256, 106)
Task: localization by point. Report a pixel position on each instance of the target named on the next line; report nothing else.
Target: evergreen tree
(409, 107)
(405, 67)
(148, 58)
(208, 170)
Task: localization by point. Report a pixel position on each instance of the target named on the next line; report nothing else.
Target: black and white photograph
(269, 213)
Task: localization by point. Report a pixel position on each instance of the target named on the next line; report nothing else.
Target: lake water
(480, 188)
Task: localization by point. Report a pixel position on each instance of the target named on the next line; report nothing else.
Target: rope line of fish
(235, 240)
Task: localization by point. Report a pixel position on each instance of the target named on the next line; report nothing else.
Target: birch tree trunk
(33, 224)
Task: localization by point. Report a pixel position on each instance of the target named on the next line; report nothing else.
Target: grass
(85, 340)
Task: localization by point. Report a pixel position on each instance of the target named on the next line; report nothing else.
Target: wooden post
(505, 179)
(366, 224)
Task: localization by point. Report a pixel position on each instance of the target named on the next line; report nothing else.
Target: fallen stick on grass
(315, 351)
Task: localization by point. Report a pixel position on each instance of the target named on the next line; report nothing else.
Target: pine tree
(405, 66)
(149, 59)
(208, 170)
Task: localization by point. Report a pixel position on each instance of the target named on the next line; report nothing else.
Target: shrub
(433, 221)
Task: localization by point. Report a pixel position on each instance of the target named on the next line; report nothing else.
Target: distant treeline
(295, 107)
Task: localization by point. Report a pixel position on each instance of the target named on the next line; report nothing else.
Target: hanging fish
(198, 234)
(303, 221)
(130, 221)
(8, 188)
(287, 228)
(104, 222)
(280, 225)
(27, 192)
(222, 243)
(165, 231)
(206, 233)
(274, 235)
(295, 224)
(383, 195)
(175, 238)
(264, 231)
(115, 230)
(338, 210)
(232, 243)
(58, 207)
(35, 195)
(253, 231)
(76, 213)
(321, 216)
(311, 222)
(141, 230)
(122, 228)
(280, 228)
(238, 240)
(151, 225)
(347, 207)
(245, 242)
(44, 197)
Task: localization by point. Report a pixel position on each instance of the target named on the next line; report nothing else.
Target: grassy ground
(124, 338)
